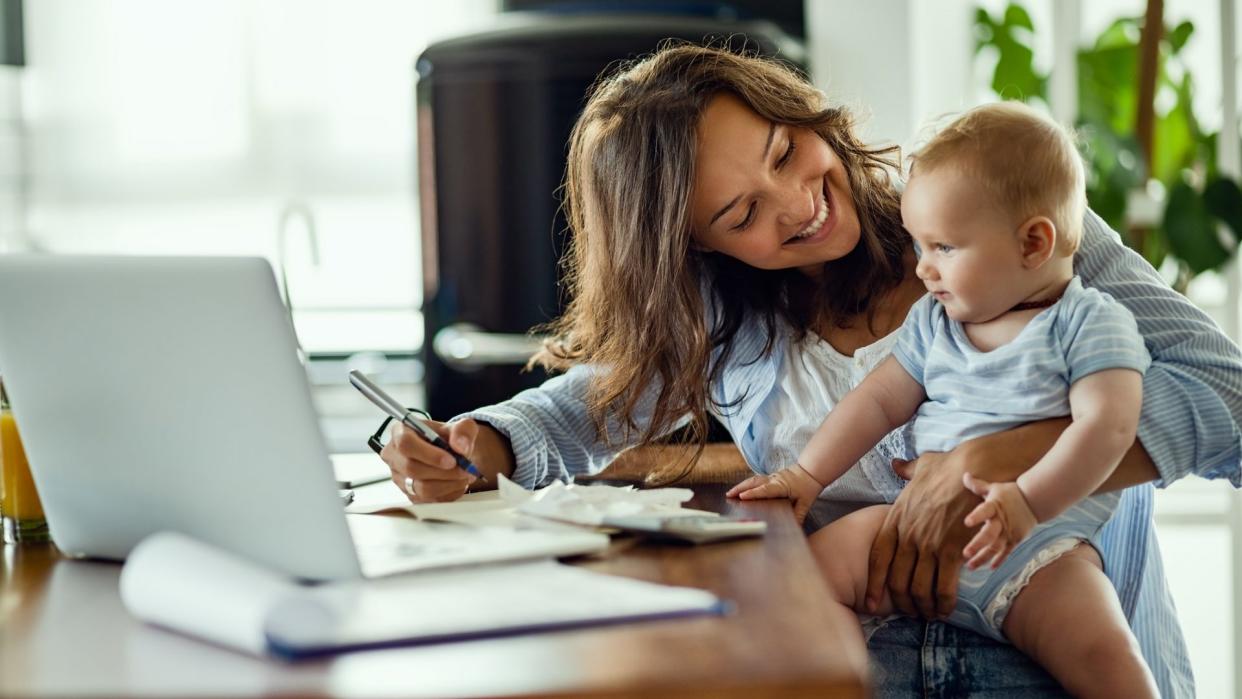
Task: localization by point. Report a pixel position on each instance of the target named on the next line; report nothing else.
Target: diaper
(982, 608)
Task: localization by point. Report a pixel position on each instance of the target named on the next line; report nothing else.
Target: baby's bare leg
(1068, 619)
(841, 550)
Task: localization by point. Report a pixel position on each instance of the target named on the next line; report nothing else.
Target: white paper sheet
(175, 581)
(357, 469)
(512, 506)
(506, 598)
(179, 583)
(591, 505)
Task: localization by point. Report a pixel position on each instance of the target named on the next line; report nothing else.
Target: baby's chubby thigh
(842, 550)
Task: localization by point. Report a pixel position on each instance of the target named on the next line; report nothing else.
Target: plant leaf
(1224, 201)
(1110, 204)
(985, 29)
(1155, 249)
(1122, 32)
(1174, 137)
(1015, 76)
(1107, 86)
(1179, 35)
(1207, 154)
(1016, 16)
(1191, 230)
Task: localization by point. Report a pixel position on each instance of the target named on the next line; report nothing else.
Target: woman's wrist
(493, 453)
(1136, 468)
(1006, 455)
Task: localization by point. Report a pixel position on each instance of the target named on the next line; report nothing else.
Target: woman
(737, 250)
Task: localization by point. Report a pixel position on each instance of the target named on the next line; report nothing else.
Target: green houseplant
(1197, 198)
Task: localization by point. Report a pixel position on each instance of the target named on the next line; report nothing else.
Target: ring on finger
(409, 486)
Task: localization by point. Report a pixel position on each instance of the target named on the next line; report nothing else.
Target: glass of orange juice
(20, 509)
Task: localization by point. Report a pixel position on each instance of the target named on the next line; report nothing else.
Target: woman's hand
(918, 552)
(791, 482)
(1006, 517)
(426, 473)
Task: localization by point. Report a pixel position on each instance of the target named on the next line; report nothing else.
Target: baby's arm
(1105, 410)
(885, 400)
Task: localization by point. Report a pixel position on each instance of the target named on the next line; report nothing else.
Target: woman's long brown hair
(637, 287)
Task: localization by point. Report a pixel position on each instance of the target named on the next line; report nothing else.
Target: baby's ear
(1037, 237)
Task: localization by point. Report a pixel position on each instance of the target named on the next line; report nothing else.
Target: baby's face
(971, 254)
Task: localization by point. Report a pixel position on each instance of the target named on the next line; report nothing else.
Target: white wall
(11, 145)
(900, 62)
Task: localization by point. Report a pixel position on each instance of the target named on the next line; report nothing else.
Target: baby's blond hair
(1025, 161)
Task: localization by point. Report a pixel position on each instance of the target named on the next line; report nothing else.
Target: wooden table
(63, 632)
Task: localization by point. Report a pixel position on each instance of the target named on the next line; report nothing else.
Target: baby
(1006, 335)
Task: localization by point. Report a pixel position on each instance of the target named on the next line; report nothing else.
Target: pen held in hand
(462, 461)
(394, 409)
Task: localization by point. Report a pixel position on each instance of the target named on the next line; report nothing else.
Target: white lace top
(813, 377)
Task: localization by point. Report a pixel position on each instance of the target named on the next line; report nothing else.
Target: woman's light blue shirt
(1192, 408)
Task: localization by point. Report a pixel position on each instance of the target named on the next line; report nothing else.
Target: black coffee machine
(494, 113)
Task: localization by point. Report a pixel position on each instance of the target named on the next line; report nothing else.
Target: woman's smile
(763, 201)
(821, 226)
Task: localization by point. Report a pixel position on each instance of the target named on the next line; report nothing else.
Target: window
(185, 127)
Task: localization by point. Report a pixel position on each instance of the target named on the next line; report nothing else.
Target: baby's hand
(1006, 518)
(791, 482)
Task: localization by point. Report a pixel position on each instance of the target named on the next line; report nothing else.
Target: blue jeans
(913, 658)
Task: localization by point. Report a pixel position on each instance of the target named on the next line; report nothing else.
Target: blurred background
(396, 160)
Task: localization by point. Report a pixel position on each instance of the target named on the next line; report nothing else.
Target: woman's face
(770, 195)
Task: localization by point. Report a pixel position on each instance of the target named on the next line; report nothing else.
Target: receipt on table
(591, 505)
(556, 505)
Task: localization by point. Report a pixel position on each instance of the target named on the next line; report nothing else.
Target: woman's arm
(659, 465)
(550, 432)
(1024, 445)
(1007, 455)
(540, 435)
(492, 453)
(1192, 392)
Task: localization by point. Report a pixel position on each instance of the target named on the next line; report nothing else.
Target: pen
(398, 412)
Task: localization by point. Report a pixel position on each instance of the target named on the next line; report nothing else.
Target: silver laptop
(158, 393)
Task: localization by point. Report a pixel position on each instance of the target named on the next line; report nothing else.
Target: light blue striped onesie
(972, 393)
